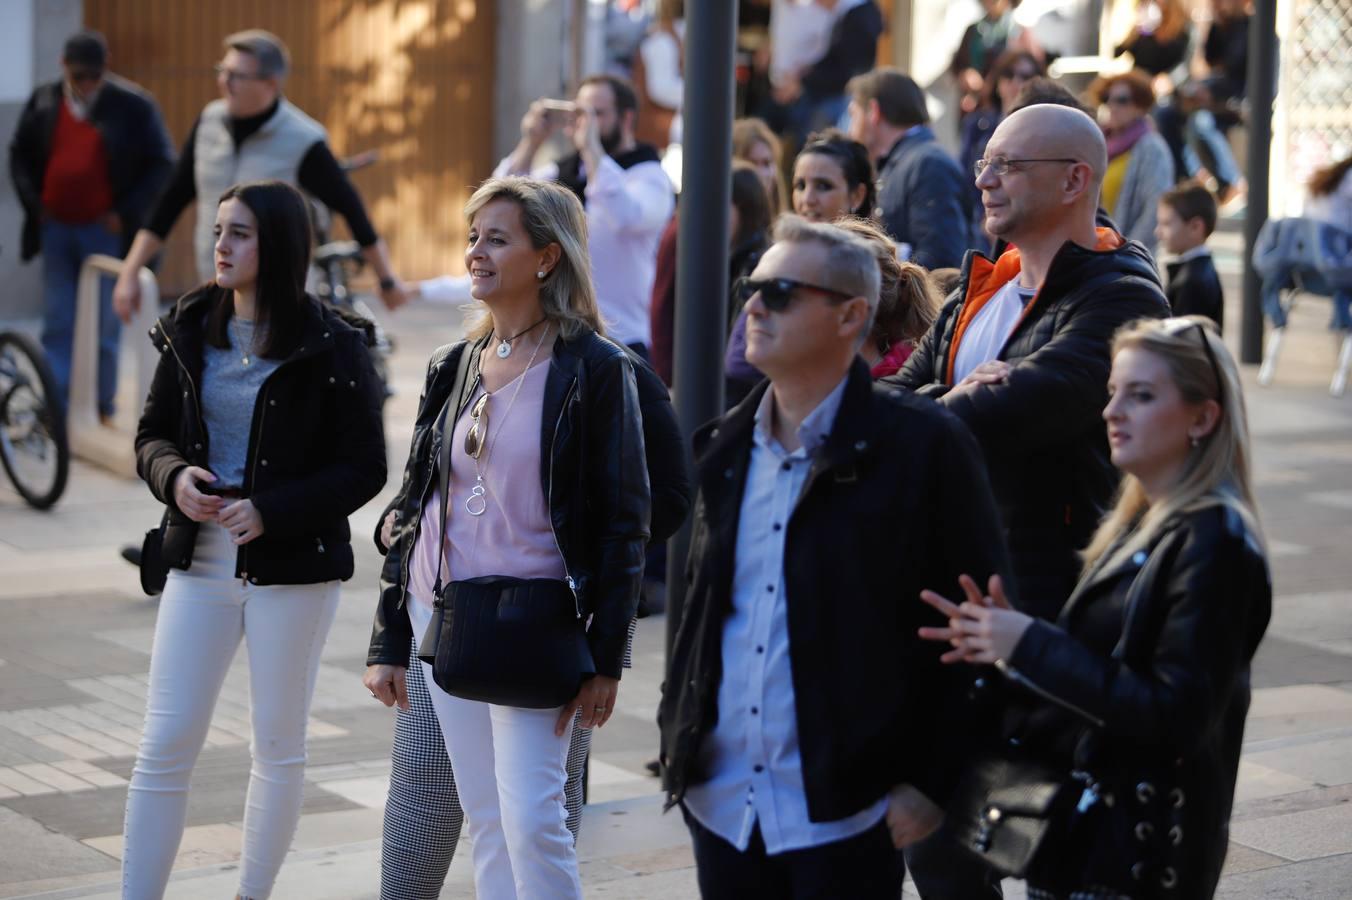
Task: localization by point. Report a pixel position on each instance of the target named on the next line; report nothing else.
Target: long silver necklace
(244, 346)
(476, 504)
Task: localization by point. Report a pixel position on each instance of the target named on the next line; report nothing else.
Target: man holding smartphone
(620, 181)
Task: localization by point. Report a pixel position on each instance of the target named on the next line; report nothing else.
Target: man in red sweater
(89, 156)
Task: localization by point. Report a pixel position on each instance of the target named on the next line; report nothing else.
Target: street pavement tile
(16, 782)
(1320, 879)
(1284, 662)
(202, 845)
(1259, 782)
(1239, 858)
(51, 775)
(1285, 804)
(32, 852)
(1297, 836)
(369, 791)
(1324, 762)
(664, 860)
(1298, 699)
(1315, 618)
(345, 826)
(21, 688)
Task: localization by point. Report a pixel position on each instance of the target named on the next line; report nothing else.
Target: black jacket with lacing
(593, 472)
(316, 448)
(1144, 682)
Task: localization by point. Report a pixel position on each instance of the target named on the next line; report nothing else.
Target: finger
(566, 717)
(936, 634)
(970, 588)
(996, 587)
(947, 608)
(401, 689)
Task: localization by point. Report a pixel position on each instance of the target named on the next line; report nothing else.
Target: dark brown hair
(1044, 90)
(1326, 180)
(283, 233)
(900, 100)
(1192, 201)
(623, 92)
(748, 195)
(906, 302)
(1137, 82)
(852, 157)
(1003, 67)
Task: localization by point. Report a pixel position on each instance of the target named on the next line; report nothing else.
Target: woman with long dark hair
(517, 552)
(261, 434)
(1142, 683)
(1011, 70)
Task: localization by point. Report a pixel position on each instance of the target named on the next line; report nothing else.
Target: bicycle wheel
(33, 445)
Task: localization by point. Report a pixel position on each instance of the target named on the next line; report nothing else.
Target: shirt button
(352, 384)
(777, 526)
(769, 588)
(272, 403)
(786, 466)
(755, 710)
(758, 768)
(263, 461)
(760, 649)
(197, 446)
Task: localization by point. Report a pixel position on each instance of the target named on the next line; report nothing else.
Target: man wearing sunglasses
(88, 157)
(1020, 351)
(252, 132)
(805, 732)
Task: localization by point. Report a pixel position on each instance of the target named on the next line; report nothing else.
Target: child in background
(1187, 216)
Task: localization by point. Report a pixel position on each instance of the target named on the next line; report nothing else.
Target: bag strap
(455, 400)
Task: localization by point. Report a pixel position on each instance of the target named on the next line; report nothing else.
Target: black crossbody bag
(499, 639)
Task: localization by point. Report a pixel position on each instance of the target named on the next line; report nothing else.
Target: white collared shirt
(753, 757)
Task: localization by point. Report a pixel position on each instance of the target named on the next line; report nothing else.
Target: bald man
(1020, 351)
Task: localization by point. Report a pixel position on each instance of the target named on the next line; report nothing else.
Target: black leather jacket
(592, 470)
(1184, 615)
(316, 443)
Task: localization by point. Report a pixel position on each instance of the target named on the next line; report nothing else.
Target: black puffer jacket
(593, 472)
(1170, 708)
(316, 444)
(1042, 430)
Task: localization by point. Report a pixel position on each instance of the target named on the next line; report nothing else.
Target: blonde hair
(1217, 469)
(550, 214)
(746, 134)
(906, 302)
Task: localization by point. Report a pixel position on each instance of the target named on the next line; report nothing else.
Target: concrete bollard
(105, 446)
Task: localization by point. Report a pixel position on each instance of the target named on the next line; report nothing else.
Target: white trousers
(203, 614)
(510, 771)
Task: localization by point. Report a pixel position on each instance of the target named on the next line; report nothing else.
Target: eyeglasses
(776, 293)
(1179, 324)
(1118, 100)
(1003, 165)
(478, 427)
(233, 75)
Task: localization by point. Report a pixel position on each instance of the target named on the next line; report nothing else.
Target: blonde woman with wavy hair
(1143, 680)
(515, 548)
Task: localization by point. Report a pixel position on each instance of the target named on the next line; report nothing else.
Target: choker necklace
(505, 345)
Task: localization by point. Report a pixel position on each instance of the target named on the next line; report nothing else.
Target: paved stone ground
(75, 634)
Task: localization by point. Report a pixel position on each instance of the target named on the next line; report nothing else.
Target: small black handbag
(503, 640)
(154, 570)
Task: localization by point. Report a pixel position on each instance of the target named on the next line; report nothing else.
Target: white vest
(273, 151)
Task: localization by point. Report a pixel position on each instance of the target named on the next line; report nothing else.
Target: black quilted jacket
(1042, 430)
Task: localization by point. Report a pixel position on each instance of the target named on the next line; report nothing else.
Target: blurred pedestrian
(627, 197)
(89, 155)
(659, 77)
(921, 192)
(568, 548)
(1019, 353)
(1158, 37)
(982, 43)
(832, 177)
(1329, 197)
(1008, 74)
(795, 782)
(1140, 166)
(755, 143)
(252, 131)
(261, 434)
(1143, 681)
(1187, 216)
(906, 302)
(815, 96)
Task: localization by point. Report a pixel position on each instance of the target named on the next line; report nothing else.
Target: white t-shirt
(985, 337)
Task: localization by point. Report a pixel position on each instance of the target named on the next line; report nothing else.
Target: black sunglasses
(777, 292)
(1179, 324)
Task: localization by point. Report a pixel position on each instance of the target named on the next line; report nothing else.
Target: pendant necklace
(476, 504)
(505, 345)
(244, 347)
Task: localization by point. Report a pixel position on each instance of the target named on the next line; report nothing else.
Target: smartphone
(216, 489)
(559, 110)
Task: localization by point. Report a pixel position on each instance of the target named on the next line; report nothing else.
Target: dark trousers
(863, 867)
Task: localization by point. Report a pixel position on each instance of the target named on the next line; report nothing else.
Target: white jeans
(510, 770)
(203, 614)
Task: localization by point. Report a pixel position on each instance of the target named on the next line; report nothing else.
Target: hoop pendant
(476, 504)
(504, 350)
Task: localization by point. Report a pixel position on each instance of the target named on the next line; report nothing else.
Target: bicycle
(335, 262)
(33, 445)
